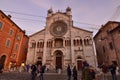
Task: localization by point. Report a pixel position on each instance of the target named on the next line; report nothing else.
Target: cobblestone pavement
(26, 76)
(47, 76)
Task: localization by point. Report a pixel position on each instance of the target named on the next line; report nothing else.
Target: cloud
(42, 3)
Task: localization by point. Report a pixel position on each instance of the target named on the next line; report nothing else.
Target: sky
(30, 15)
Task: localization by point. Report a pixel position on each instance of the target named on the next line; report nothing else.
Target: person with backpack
(86, 73)
(92, 72)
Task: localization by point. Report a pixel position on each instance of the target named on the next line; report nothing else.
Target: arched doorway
(2, 60)
(79, 63)
(39, 61)
(58, 59)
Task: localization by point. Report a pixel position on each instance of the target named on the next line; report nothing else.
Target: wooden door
(79, 64)
(58, 61)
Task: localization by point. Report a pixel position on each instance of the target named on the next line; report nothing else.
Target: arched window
(49, 43)
(77, 42)
(8, 43)
(38, 45)
(80, 41)
(33, 44)
(69, 42)
(87, 40)
(74, 42)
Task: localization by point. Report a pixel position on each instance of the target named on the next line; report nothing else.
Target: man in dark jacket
(75, 73)
(69, 72)
(42, 71)
(33, 72)
(112, 69)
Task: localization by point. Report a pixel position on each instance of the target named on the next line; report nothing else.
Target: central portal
(58, 59)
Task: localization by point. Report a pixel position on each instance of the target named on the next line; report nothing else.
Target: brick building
(61, 43)
(105, 42)
(115, 34)
(13, 43)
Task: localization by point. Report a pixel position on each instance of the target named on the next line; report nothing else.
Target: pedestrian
(33, 72)
(86, 72)
(112, 69)
(75, 73)
(69, 72)
(42, 71)
(104, 69)
(27, 67)
(39, 71)
(1, 67)
(92, 72)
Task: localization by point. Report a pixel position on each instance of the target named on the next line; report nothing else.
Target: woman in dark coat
(69, 72)
(75, 73)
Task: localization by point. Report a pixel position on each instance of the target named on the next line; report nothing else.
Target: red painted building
(13, 43)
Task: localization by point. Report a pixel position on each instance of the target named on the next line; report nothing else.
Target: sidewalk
(108, 76)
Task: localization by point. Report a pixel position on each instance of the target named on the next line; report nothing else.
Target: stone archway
(79, 63)
(58, 61)
(2, 60)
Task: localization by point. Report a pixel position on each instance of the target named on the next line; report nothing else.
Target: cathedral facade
(61, 43)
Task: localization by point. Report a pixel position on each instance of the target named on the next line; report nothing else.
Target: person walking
(104, 68)
(75, 73)
(86, 72)
(69, 72)
(33, 72)
(112, 69)
(43, 71)
(27, 67)
(39, 71)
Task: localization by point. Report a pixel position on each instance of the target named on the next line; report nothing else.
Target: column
(72, 51)
(44, 53)
(72, 46)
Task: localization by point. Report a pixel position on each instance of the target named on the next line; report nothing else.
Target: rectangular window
(1, 25)
(11, 32)
(8, 43)
(118, 31)
(25, 50)
(16, 47)
(103, 49)
(111, 45)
